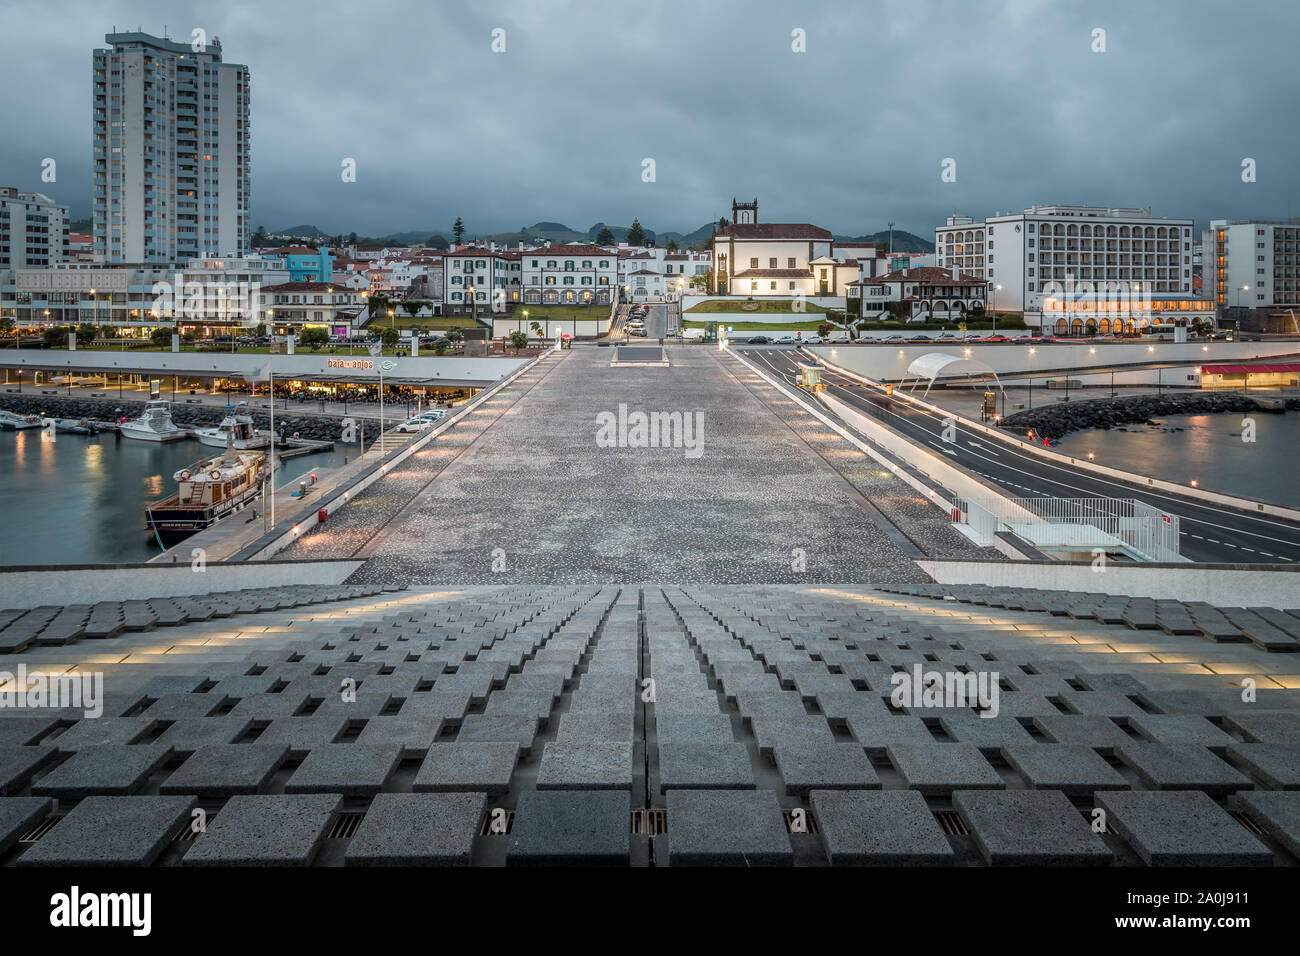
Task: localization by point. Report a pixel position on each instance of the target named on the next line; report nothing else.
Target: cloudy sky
(849, 134)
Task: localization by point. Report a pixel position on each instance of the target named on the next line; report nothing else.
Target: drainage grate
(951, 823)
(485, 828)
(187, 833)
(344, 826)
(809, 822)
(650, 822)
(1244, 818)
(42, 828)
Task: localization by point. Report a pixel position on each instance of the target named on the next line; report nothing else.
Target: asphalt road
(1208, 533)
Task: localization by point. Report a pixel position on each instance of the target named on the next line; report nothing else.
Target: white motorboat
(237, 423)
(12, 422)
(154, 424)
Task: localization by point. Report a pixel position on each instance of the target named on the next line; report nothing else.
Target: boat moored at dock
(209, 490)
(153, 424)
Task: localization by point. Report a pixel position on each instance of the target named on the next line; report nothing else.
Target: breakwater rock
(316, 427)
(1060, 418)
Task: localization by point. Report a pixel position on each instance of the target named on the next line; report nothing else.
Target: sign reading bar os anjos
(366, 365)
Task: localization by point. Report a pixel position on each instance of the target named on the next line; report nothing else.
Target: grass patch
(758, 326)
(765, 306)
(555, 313)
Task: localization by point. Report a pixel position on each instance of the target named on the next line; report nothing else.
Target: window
(791, 284)
(789, 264)
(773, 285)
(753, 262)
(771, 263)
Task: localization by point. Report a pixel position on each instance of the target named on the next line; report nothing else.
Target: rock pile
(1059, 419)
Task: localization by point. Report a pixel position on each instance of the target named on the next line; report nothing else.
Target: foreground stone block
(571, 827)
(1071, 768)
(18, 815)
(349, 769)
(1276, 766)
(485, 767)
(115, 770)
(1181, 767)
(694, 766)
(1186, 828)
(942, 768)
(586, 766)
(19, 764)
(826, 766)
(265, 831)
(879, 828)
(726, 828)
(413, 734)
(418, 829)
(1277, 813)
(112, 831)
(1030, 828)
(223, 770)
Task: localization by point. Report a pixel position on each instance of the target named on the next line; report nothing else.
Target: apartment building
(1252, 264)
(570, 273)
(170, 170)
(33, 230)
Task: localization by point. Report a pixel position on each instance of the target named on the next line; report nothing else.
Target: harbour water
(1209, 451)
(80, 499)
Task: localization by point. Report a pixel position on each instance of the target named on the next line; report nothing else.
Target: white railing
(1124, 524)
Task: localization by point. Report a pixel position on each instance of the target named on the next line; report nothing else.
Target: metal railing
(1126, 524)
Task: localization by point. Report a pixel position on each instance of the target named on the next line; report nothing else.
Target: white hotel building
(170, 151)
(1253, 264)
(33, 230)
(569, 274)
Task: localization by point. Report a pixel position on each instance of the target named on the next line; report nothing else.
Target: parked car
(639, 331)
(785, 340)
(812, 340)
(758, 340)
(838, 337)
(434, 414)
(413, 425)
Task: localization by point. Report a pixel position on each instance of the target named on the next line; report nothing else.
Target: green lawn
(358, 349)
(758, 326)
(764, 306)
(555, 313)
(434, 323)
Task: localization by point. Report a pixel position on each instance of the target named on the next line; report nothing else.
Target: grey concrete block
(270, 706)
(942, 768)
(1100, 703)
(519, 728)
(1278, 814)
(1276, 766)
(1100, 733)
(19, 764)
(879, 828)
(181, 706)
(302, 734)
(111, 831)
(101, 732)
(839, 706)
(281, 830)
(1264, 727)
(579, 727)
(111, 770)
(223, 770)
(413, 734)
(824, 766)
(190, 733)
(876, 735)
(806, 731)
(417, 829)
(989, 734)
(1180, 829)
(449, 706)
(692, 729)
(1071, 768)
(593, 765)
(18, 815)
(467, 766)
(553, 827)
(363, 706)
(695, 766)
(1181, 767)
(349, 769)
(726, 828)
(23, 730)
(1180, 729)
(1030, 828)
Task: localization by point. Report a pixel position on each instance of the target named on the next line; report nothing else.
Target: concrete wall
(890, 362)
(302, 365)
(33, 587)
(1220, 585)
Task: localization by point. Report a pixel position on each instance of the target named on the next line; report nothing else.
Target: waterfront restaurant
(1100, 314)
(1245, 377)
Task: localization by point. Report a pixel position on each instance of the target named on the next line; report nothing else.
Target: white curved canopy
(934, 365)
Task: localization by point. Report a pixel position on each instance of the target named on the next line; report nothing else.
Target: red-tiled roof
(927, 275)
(304, 287)
(774, 274)
(1245, 369)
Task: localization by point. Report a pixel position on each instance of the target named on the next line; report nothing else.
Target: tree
(604, 237)
(313, 336)
(412, 306)
(162, 336)
(458, 230)
(55, 337)
(7, 325)
(536, 327)
(260, 329)
(672, 246)
(636, 235)
(87, 333)
(722, 222)
(518, 340)
(455, 334)
(390, 336)
(352, 238)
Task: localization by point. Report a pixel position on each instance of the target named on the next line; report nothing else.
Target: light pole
(996, 288)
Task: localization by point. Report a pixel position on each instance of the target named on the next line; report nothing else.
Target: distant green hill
(903, 241)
